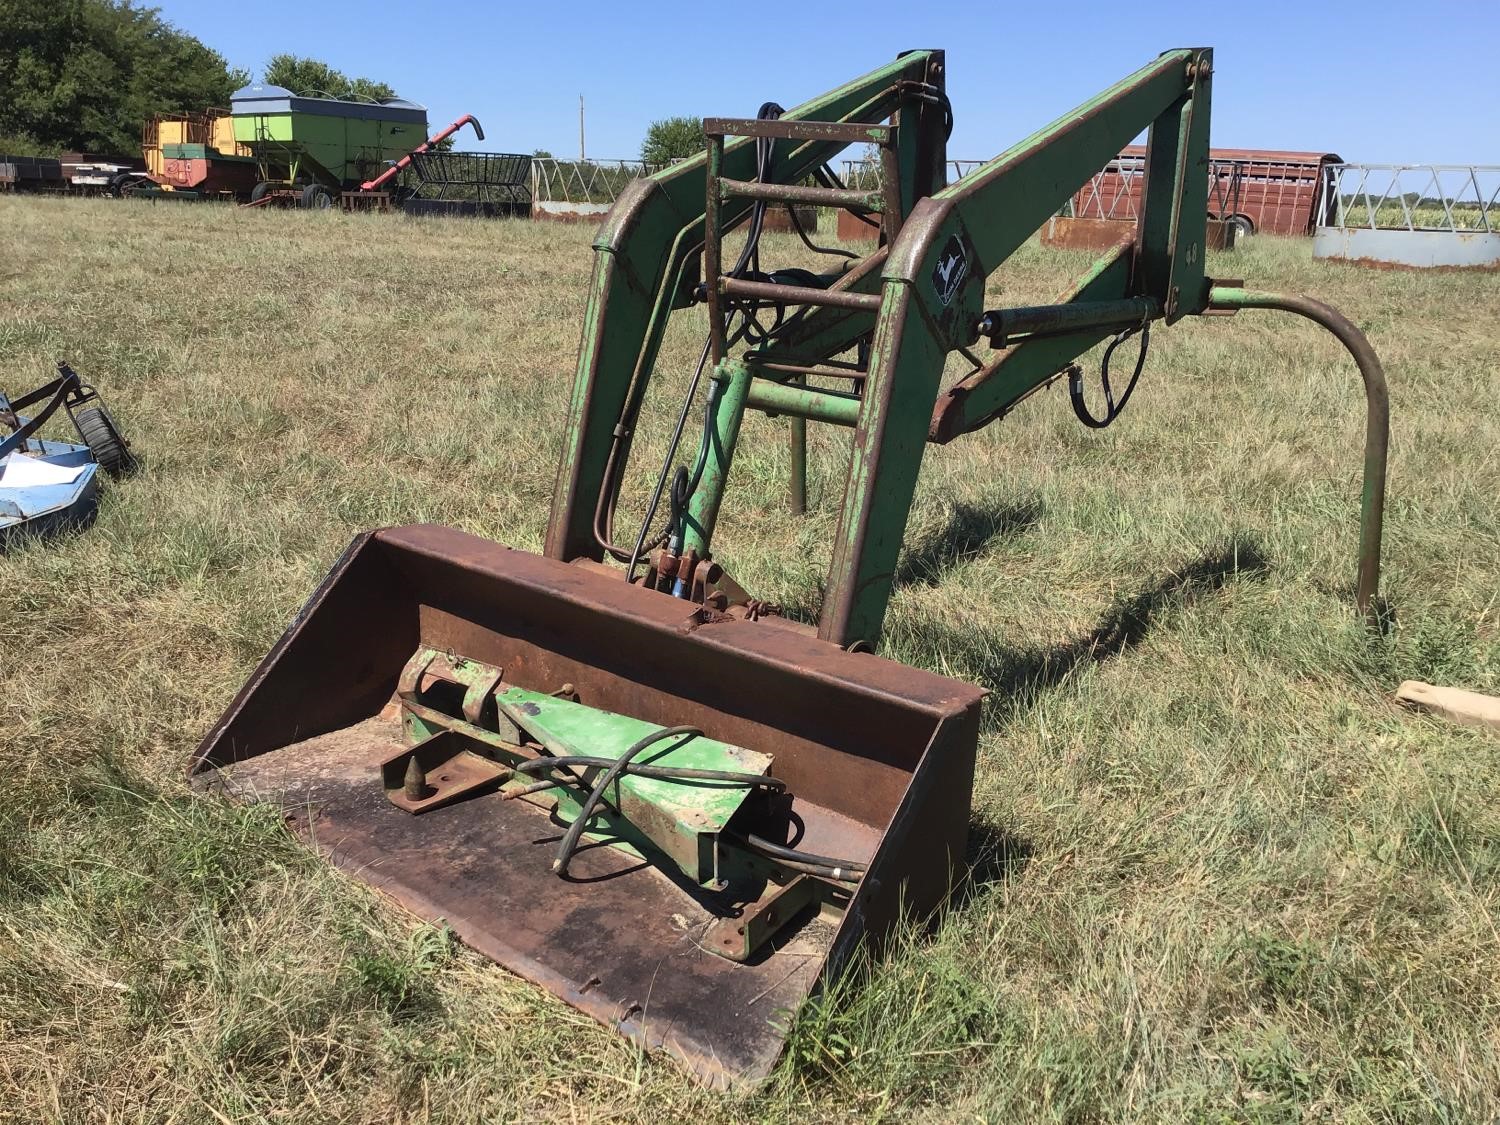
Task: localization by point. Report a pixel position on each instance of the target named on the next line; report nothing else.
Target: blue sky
(1371, 81)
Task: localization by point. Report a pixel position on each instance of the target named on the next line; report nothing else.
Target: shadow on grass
(994, 856)
(970, 529)
(1017, 676)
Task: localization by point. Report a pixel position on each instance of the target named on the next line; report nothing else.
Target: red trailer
(1257, 190)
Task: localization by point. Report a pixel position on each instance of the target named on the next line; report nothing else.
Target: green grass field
(1218, 875)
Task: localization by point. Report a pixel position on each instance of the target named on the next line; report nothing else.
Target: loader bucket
(878, 759)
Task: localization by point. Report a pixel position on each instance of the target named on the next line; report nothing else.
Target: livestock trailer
(1256, 190)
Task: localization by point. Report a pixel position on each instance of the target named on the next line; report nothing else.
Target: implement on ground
(612, 769)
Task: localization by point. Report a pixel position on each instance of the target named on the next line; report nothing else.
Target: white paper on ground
(21, 471)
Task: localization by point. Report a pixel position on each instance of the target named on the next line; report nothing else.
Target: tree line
(84, 75)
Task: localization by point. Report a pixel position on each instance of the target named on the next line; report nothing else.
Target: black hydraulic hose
(666, 469)
(657, 773)
(1111, 407)
(837, 874)
(792, 855)
(617, 767)
(813, 246)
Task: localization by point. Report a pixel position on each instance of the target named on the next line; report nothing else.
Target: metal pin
(415, 784)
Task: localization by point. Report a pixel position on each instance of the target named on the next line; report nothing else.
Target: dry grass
(1218, 875)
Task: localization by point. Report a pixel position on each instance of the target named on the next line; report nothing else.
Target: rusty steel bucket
(879, 756)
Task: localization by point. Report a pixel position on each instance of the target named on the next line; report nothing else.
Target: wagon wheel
(259, 191)
(317, 196)
(100, 434)
(1243, 226)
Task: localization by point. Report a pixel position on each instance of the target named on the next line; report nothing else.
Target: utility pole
(581, 156)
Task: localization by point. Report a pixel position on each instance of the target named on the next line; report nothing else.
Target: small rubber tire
(103, 438)
(1243, 226)
(259, 191)
(317, 197)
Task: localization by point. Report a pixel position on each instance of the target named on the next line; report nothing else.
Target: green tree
(85, 74)
(673, 138)
(313, 78)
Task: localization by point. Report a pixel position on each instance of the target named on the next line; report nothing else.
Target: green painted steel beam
(1003, 203)
(641, 252)
(934, 283)
(906, 366)
(1171, 237)
(726, 406)
(1021, 368)
(811, 403)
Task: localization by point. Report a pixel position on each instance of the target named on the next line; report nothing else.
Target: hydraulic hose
(656, 773)
(842, 870)
(617, 767)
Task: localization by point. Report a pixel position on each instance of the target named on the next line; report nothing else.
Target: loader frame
(399, 717)
(902, 307)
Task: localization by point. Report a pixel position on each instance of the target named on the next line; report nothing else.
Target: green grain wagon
(310, 149)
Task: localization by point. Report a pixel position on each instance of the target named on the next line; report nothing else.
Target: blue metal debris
(41, 509)
(45, 485)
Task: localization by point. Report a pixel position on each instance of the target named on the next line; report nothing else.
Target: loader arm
(973, 226)
(643, 256)
(921, 297)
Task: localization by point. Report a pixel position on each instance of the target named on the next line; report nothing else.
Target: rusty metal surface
(880, 757)
(799, 294)
(616, 940)
(738, 938)
(799, 193)
(851, 132)
(851, 228)
(443, 769)
(1065, 233)
(1273, 190)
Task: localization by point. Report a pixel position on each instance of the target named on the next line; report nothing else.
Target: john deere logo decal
(951, 269)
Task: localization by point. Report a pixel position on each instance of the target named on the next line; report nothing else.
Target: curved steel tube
(395, 169)
(1377, 414)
